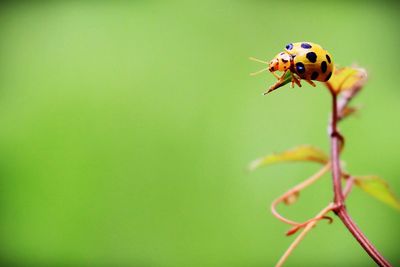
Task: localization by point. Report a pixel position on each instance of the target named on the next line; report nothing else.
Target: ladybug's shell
(311, 61)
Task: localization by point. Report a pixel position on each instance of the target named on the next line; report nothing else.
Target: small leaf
(292, 198)
(293, 230)
(347, 111)
(347, 78)
(300, 153)
(287, 79)
(378, 188)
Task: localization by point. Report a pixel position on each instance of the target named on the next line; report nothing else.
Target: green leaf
(287, 79)
(300, 153)
(378, 188)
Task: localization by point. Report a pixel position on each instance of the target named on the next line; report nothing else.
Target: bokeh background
(127, 126)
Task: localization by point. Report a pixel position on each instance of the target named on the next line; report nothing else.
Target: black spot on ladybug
(300, 68)
(328, 77)
(323, 66)
(306, 45)
(314, 75)
(328, 58)
(281, 53)
(312, 57)
(289, 47)
(284, 60)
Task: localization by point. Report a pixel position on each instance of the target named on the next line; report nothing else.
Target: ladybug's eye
(289, 47)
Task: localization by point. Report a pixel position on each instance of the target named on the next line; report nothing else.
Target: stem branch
(340, 209)
(300, 237)
(297, 189)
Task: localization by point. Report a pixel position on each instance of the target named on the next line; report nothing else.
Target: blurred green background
(126, 128)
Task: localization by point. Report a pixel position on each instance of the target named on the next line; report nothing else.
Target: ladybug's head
(280, 62)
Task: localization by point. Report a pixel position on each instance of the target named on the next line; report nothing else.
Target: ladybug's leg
(276, 75)
(295, 80)
(311, 82)
(282, 76)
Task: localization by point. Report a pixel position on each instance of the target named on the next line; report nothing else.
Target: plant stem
(340, 209)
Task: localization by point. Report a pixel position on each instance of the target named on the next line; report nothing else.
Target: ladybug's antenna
(258, 60)
(258, 72)
(261, 61)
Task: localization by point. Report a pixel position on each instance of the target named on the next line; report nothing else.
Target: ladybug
(305, 61)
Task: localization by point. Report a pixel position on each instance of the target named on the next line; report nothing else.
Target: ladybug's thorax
(280, 62)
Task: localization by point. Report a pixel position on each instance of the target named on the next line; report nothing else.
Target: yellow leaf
(378, 188)
(300, 153)
(347, 78)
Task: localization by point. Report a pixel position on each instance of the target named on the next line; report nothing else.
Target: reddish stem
(340, 209)
(335, 151)
(361, 238)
